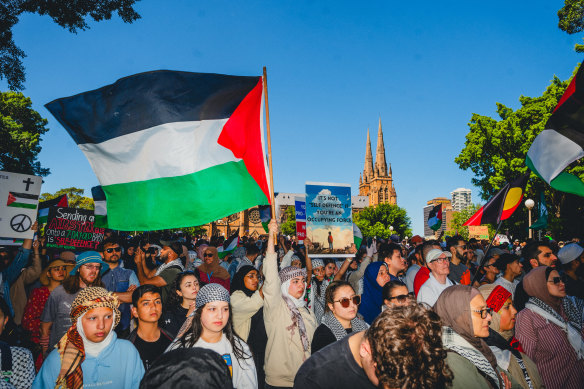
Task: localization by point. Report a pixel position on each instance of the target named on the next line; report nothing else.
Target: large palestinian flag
(502, 205)
(172, 149)
(435, 218)
(562, 141)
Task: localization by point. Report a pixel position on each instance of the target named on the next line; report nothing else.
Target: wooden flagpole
(273, 203)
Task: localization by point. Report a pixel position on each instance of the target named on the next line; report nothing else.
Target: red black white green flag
(502, 205)
(435, 218)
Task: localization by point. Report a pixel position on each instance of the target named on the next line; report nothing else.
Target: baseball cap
(570, 252)
(434, 254)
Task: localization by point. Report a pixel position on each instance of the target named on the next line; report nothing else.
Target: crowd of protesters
(156, 311)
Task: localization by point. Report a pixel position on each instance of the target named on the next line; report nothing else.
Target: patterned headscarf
(71, 348)
(496, 296)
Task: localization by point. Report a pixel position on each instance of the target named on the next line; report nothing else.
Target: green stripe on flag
(183, 201)
(22, 205)
(564, 181)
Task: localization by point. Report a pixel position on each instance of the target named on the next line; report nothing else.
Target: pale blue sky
(333, 69)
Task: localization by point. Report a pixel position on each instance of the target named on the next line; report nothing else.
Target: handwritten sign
(329, 223)
(19, 198)
(72, 228)
(478, 232)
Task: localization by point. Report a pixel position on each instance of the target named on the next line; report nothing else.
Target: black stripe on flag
(28, 196)
(145, 100)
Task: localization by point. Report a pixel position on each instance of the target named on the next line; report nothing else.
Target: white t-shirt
(411, 276)
(510, 286)
(243, 370)
(431, 290)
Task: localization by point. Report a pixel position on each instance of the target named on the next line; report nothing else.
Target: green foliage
(376, 220)
(495, 151)
(571, 19)
(192, 231)
(21, 128)
(289, 226)
(68, 14)
(459, 218)
(74, 196)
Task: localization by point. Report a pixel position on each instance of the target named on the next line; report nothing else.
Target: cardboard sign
(478, 232)
(329, 223)
(72, 228)
(19, 199)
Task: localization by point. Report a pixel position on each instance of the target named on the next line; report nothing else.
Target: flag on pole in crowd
(22, 200)
(502, 205)
(435, 218)
(228, 246)
(562, 141)
(44, 206)
(542, 219)
(357, 236)
(11, 242)
(265, 216)
(172, 149)
(100, 207)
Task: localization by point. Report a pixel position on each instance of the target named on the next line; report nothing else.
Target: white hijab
(91, 348)
(298, 302)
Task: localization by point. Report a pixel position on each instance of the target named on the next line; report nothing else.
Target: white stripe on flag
(551, 152)
(167, 150)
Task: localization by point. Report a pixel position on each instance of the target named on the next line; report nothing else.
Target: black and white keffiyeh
(164, 266)
(211, 292)
(337, 329)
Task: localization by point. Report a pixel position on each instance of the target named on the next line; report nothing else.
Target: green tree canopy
(571, 19)
(495, 151)
(74, 196)
(289, 226)
(21, 128)
(376, 220)
(68, 14)
(459, 218)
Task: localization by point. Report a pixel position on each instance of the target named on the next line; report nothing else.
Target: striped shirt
(547, 345)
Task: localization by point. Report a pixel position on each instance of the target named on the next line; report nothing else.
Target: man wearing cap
(438, 262)
(416, 240)
(55, 319)
(424, 273)
(164, 276)
(571, 256)
(459, 272)
(510, 268)
(119, 280)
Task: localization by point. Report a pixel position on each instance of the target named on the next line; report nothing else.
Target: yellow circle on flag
(513, 197)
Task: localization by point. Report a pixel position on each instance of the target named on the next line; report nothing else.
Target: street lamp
(529, 203)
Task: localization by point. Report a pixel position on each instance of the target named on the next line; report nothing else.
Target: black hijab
(237, 281)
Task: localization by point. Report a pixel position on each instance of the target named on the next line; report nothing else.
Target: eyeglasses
(111, 250)
(345, 302)
(402, 298)
(441, 260)
(484, 312)
(557, 280)
(208, 255)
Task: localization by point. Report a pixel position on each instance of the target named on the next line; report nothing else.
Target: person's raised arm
(308, 243)
(345, 264)
(143, 273)
(271, 288)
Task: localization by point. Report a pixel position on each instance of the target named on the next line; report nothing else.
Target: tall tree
(571, 19)
(68, 14)
(495, 152)
(377, 220)
(21, 128)
(289, 225)
(74, 196)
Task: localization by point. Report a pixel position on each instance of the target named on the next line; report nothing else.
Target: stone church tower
(376, 182)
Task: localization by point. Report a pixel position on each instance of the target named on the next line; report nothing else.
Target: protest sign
(19, 198)
(72, 228)
(300, 207)
(478, 232)
(329, 223)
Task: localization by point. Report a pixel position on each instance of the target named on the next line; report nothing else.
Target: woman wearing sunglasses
(465, 324)
(211, 271)
(395, 293)
(550, 329)
(340, 318)
(501, 341)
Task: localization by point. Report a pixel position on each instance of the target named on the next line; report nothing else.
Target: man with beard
(164, 276)
(55, 319)
(119, 280)
(459, 272)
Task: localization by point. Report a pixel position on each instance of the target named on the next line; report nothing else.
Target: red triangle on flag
(11, 198)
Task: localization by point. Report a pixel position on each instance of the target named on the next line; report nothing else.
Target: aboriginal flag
(502, 205)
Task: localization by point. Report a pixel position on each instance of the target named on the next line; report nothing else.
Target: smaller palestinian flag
(22, 200)
(228, 246)
(562, 141)
(501, 206)
(265, 216)
(435, 218)
(542, 219)
(100, 207)
(44, 206)
(11, 242)
(357, 236)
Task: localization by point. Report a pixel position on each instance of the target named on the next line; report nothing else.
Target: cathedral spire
(380, 164)
(368, 170)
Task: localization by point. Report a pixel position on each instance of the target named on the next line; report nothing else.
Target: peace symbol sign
(20, 223)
